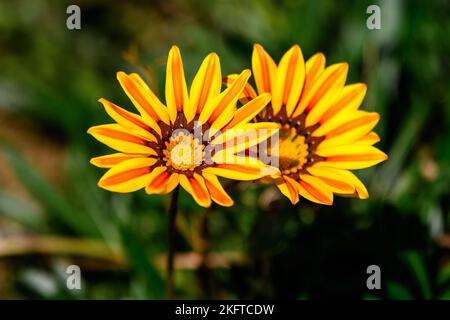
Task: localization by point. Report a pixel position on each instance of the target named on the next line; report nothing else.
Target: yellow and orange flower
(167, 145)
(323, 133)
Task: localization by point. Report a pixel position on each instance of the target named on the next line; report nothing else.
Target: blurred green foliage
(50, 81)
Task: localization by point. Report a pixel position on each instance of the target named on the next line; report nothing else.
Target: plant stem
(171, 242)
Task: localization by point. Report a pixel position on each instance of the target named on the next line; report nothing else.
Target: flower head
(323, 133)
(187, 140)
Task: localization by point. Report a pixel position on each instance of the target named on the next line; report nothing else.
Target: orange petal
(224, 105)
(197, 188)
(218, 194)
(288, 187)
(128, 176)
(162, 181)
(247, 94)
(247, 112)
(177, 98)
(110, 160)
(264, 69)
(129, 120)
(120, 139)
(143, 98)
(352, 130)
(350, 98)
(240, 172)
(331, 78)
(206, 85)
(351, 156)
(314, 190)
(289, 80)
(369, 139)
(334, 179)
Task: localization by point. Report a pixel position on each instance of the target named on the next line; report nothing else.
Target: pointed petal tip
(257, 46)
(174, 48)
(246, 72)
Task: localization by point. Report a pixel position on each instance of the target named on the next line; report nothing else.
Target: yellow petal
(288, 187)
(143, 98)
(247, 112)
(241, 170)
(206, 85)
(128, 176)
(177, 98)
(337, 121)
(289, 80)
(331, 78)
(314, 190)
(110, 160)
(369, 139)
(120, 139)
(162, 181)
(197, 188)
(224, 105)
(351, 131)
(334, 179)
(218, 194)
(264, 69)
(351, 156)
(129, 120)
(349, 99)
(359, 186)
(321, 107)
(314, 67)
(247, 94)
(247, 139)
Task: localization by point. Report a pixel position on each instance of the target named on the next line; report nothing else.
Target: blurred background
(53, 215)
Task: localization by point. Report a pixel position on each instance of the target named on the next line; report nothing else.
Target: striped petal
(247, 94)
(224, 105)
(120, 139)
(240, 169)
(128, 176)
(247, 112)
(248, 139)
(206, 85)
(331, 78)
(351, 156)
(289, 80)
(334, 179)
(349, 99)
(129, 120)
(177, 98)
(196, 186)
(314, 67)
(162, 181)
(143, 98)
(360, 189)
(110, 160)
(288, 187)
(314, 190)
(369, 139)
(218, 194)
(351, 130)
(264, 69)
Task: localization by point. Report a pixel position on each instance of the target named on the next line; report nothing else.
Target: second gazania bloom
(186, 141)
(323, 133)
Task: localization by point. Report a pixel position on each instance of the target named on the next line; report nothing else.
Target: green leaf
(48, 197)
(21, 211)
(415, 263)
(398, 291)
(144, 271)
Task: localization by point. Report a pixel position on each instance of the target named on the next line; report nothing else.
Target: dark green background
(51, 78)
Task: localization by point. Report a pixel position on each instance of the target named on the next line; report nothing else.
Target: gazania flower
(181, 142)
(323, 133)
